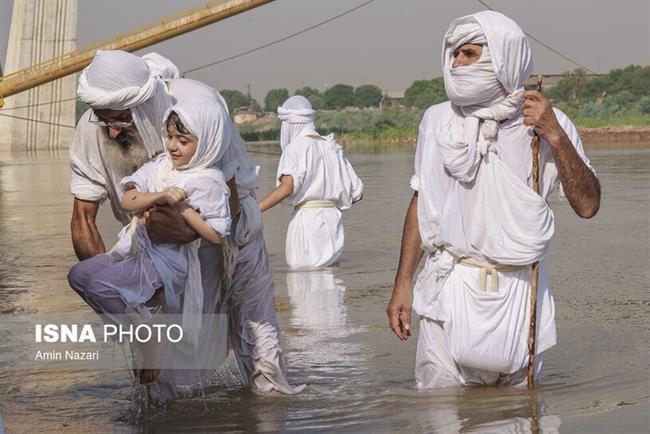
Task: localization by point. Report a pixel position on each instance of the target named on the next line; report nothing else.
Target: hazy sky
(389, 43)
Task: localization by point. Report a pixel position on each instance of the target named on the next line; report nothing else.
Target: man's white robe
(472, 332)
(320, 172)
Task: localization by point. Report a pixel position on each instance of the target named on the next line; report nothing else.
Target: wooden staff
(534, 272)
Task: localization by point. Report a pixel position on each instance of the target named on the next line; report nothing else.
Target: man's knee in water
(78, 278)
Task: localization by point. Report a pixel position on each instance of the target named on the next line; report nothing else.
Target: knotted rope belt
(486, 269)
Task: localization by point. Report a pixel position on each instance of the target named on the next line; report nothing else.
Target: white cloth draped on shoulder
(473, 175)
(324, 184)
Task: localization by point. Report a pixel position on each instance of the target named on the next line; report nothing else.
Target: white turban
(161, 65)
(118, 80)
(208, 120)
(297, 118)
(491, 89)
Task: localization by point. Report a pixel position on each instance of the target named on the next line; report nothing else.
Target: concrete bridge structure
(40, 118)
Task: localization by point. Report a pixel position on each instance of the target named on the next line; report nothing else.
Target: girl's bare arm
(196, 222)
(134, 201)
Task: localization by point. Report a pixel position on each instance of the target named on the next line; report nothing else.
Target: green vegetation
(368, 125)
(367, 96)
(313, 95)
(234, 99)
(425, 93)
(339, 97)
(619, 98)
(274, 99)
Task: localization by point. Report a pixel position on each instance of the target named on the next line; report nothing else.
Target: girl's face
(181, 146)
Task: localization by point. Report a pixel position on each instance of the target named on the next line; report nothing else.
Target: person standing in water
(475, 216)
(315, 178)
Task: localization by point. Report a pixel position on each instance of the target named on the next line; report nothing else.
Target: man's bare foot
(150, 360)
(158, 299)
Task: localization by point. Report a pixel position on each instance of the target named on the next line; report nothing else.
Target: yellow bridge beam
(136, 39)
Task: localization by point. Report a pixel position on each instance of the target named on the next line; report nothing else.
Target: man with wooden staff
(476, 217)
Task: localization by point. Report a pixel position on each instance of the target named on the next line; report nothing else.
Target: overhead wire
(545, 45)
(300, 32)
(277, 41)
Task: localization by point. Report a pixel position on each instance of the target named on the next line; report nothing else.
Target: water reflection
(318, 318)
(457, 416)
(360, 379)
(318, 304)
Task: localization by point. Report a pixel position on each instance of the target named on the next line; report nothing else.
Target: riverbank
(614, 137)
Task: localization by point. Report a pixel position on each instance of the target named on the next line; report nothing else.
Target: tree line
(336, 97)
(421, 94)
(622, 90)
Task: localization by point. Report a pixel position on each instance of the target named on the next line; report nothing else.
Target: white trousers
(436, 368)
(315, 238)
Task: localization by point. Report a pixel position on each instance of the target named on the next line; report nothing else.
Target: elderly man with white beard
(475, 216)
(128, 97)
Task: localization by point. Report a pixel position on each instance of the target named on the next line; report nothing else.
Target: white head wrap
(491, 89)
(297, 118)
(161, 65)
(118, 80)
(208, 120)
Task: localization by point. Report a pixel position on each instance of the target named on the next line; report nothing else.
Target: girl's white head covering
(161, 65)
(297, 118)
(208, 120)
(118, 80)
(491, 89)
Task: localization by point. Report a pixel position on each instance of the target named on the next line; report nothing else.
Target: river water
(359, 377)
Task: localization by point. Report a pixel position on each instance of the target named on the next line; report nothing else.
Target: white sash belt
(316, 204)
(487, 269)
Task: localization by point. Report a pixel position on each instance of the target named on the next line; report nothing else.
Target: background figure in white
(315, 178)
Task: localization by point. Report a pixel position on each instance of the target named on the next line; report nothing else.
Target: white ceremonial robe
(207, 193)
(320, 172)
(250, 297)
(470, 328)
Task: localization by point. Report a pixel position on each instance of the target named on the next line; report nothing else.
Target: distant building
(244, 115)
(550, 80)
(392, 98)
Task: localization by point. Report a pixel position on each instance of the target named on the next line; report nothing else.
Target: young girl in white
(316, 178)
(123, 280)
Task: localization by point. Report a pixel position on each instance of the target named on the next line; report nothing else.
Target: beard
(125, 153)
